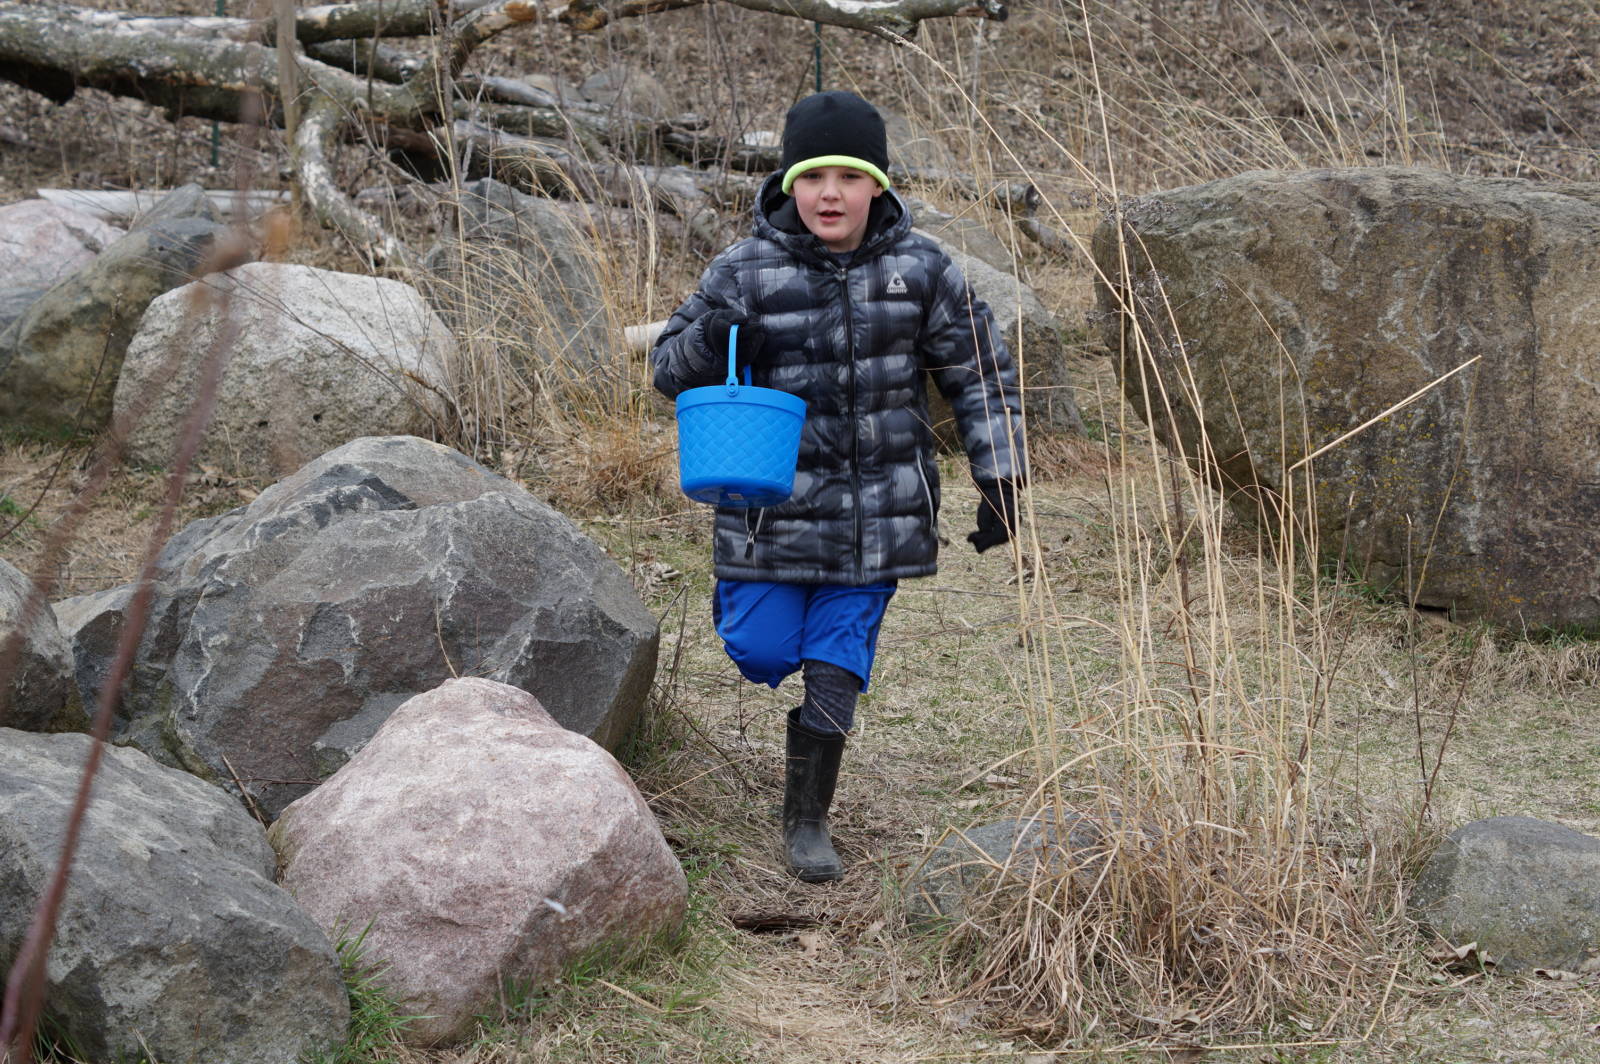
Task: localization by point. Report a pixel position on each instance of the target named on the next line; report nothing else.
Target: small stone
(1526, 891)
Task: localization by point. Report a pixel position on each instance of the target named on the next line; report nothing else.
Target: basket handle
(733, 362)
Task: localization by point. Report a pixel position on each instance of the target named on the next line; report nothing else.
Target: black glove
(997, 515)
(752, 340)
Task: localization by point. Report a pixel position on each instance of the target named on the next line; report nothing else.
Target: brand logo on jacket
(896, 285)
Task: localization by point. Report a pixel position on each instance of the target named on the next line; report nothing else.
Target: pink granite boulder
(42, 242)
(482, 842)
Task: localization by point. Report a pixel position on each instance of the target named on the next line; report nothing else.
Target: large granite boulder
(42, 242)
(14, 302)
(1287, 309)
(91, 625)
(964, 232)
(173, 941)
(1526, 891)
(284, 633)
(1035, 340)
(479, 842)
(313, 359)
(515, 275)
(62, 356)
(36, 688)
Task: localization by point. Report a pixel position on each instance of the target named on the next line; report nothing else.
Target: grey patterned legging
(831, 692)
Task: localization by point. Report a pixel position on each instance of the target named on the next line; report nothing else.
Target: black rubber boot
(810, 772)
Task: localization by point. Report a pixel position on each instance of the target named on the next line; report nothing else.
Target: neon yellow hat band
(833, 160)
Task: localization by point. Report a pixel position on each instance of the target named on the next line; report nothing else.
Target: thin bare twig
(24, 993)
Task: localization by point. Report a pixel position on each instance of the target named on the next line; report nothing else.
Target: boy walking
(839, 303)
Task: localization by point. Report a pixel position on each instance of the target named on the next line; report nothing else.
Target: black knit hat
(834, 129)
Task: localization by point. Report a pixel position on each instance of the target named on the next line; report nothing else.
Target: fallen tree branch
(891, 19)
(368, 58)
(1049, 239)
(320, 127)
(416, 18)
(219, 68)
(52, 53)
(700, 198)
(484, 24)
(371, 19)
(639, 339)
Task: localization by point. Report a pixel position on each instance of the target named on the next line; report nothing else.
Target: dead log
(891, 19)
(368, 58)
(225, 69)
(699, 197)
(54, 53)
(639, 339)
(1052, 241)
(415, 18)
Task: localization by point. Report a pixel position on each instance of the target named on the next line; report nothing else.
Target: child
(839, 303)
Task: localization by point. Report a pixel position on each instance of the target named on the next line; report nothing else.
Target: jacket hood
(778, 220)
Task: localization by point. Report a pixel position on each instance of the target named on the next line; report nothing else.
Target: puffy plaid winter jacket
(852, 335)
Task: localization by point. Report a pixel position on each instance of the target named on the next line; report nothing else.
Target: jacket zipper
(855, 435)
(927, 493)
(752, 531)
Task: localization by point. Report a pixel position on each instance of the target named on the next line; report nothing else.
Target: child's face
(833, 202)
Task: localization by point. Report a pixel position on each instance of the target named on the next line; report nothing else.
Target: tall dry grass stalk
(1202, 872)
(545, 384)
(1197, 871)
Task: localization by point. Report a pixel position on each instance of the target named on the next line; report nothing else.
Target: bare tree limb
(882, 18)
(52, 52)
(368, 58)
(415, 18)
(484, 24)
(1049, 239)
(314, 142)
(588, 16)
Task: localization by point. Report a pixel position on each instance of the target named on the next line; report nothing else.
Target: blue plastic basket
(737, 444)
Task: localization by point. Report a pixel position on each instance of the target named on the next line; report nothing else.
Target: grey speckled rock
(173, 934)
(284, 633)
(41, 242)
(1526, 891)
(315, 359)
(516, 274)
(484, 842)
(51, 357)
(38, 694)
(1307, 303)
(965, 233)
(968, 864)
(1030, 332)
(14, 302)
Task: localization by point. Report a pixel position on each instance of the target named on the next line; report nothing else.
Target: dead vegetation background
(1270, 747)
